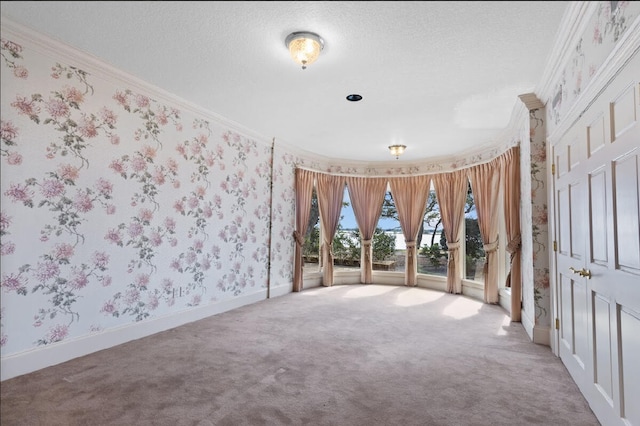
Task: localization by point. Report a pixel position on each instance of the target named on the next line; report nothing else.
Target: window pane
(346, 241)
(432, 257)
(388, 241)
(311, 248)
(474, 258)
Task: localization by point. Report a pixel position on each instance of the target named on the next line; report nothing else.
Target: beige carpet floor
(345, 355)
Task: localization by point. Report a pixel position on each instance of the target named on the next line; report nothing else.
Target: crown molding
(93, 65)
(531, 101)
(60, 51)
(623, 52)
(572, 27)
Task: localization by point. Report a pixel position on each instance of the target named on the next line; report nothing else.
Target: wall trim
(527, 324)
(281, 290)
(505, 299)
(42, 357)
(98, 68)
(542, 335)
(622, 53)
(572, 27)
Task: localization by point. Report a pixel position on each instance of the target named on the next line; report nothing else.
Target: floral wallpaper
(539, 250)
(118, 207)
(605, 28)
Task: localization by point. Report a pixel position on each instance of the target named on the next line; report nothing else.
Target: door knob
(582, 272)
(585, 273)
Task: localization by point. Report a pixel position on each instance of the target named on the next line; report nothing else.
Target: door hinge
(555, 246)
(557, 324)
(553, 170)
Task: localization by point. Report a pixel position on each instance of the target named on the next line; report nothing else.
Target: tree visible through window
(388, 240)
(433, 254)
(346, 242)
(474, 248)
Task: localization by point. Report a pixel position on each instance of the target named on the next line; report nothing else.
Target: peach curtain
(451, 191)
(511, 173)
(485, 184)
(304, 192)
(410, 195)
(367, 196)
(330, 190)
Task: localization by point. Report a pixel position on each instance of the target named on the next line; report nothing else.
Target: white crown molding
(97, 67)
(572, 27)
(531, 101)
(624, 51)
(60, 51)
(509, 137)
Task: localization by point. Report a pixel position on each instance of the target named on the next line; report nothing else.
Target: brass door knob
(585, 273)
(582, 272)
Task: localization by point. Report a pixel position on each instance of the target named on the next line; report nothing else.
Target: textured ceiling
(439, 77)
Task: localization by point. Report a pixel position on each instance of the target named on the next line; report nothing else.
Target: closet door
(597, 257)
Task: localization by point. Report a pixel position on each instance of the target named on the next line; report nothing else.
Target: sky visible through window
(348, 221)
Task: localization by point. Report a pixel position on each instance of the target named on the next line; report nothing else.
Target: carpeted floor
(345, 355)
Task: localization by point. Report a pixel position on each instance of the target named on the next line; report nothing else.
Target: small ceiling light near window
(397, 150)
(354, 98)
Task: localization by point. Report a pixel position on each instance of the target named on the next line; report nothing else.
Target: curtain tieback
(491, 247)
(330, 246)
(515, 244)
(453, 246)
(366, 246)
(298, 237)
(411, 247)
(451, 259)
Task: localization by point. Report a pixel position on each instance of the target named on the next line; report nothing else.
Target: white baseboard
(505, 299)
(542, 335)
(280, 290)
(537, 333)
(41, 357)
(527, 323)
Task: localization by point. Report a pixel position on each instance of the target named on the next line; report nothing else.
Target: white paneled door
(597, 250)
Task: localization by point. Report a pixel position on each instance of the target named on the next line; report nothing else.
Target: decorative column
(536, 305)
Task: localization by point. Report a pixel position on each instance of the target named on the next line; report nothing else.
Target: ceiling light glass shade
(397, 150)
(304, 47)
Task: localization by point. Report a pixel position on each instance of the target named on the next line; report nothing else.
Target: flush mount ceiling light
(304, 47)
(397, 150)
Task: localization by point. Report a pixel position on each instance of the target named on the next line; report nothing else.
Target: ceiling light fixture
(397, 150)
(304, 47)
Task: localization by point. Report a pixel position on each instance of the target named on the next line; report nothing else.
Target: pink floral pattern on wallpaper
(62, 110)
(61, 273)
(134, 218)
(152, 115)
(7, 246)
(11, 53)
(612, 20)
(539, 217)
(283, 217)
(9, 135)
(609, 23)
(197, 151)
